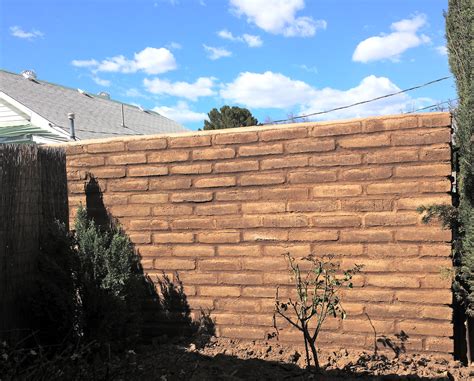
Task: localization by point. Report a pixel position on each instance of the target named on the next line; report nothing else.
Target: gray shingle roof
(95, 117)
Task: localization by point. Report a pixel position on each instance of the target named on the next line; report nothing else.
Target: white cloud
(18, 32)
(309, 69)
(278, 16)
(202, 87)
(251, 40)
(134, 93)
(181, 113)
(442, 49)
(101, 81)
(149, 60)
(214, 53)
(390, 46)
(174, 45)
(275, 90)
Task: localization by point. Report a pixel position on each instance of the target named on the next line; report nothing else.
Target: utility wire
(433, 105)
(362, 102)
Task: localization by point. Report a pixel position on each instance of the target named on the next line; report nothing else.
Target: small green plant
(317, 297)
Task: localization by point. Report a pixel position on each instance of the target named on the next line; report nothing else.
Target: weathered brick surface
(220, 208)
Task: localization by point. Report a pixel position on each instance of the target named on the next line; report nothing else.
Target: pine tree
(229, 117)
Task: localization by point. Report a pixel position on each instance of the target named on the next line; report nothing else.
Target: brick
(173, 237)
(440, 119)
(126, 158)
(392, 156)
(191, 197)
(262, 179)
(413, 203)
(189, 141)
(259, 291)
(337, 190)
(219, 291)
(167, 156)
(417, 327)
(263, 264)
(256, 150)
(310, 145)
(240, 278)
(191, 169)
(106, 147)
(278, 279)
(219, 264)
(74, 149)
(235, 138)
(193, 251)
(243, 332)
(239, 222)
(336, 221)
(140, 237)
(425, 265)
(420, 137)
(236, 166)
(172, 210)
(216, 209)
(366, 174)
(149, 198)
(440, 153)
(393, 281)
(238, 195)
(146, 144)
(170, 183)
(391, 219)
(198, 278)
(386, 124)
(443, 280)
(201, 303)
(175, 264)
(314, 177)
(286, 162)
(192, 223)
(238, 305)
(392, 188)
(238, 250)
(381, 326)
(424, 170)
(366, 205)
(109, 172)
(366, 236)
(366, 295)
(283, 133)
(153, 251)
(373, 140)
(259, 320)
(147, 264)
(338, 249)
(441, 186)
(263, 207)
(287, 193)
(213, 153)
(312, 206)
(85, 161)
(127, 185)
(215, 182)
(333, 129)
(439, 344)
(226, 319)
(219, 237)
(147, 170)
(285, 221)
(148, 224)
(425, 296)
(312, 235)
(423, 234)
(265, 235)
(337, 159)
(392, 250)
(435, 250)
(293, 250)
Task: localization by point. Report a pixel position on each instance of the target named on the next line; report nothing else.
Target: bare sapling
(317, 298)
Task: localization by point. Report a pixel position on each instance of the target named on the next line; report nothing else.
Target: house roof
(95, 116)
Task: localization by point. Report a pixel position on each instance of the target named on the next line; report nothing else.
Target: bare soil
(225, 359)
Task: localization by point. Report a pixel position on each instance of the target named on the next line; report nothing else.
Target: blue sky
(275, 57)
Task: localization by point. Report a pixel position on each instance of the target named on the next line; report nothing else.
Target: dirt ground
(225, 359)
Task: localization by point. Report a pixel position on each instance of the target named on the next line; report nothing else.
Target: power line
(433, 105)
(362, 102)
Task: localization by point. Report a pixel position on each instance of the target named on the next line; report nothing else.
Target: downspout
(72, 132)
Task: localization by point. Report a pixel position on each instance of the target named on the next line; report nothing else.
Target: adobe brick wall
(221, 207)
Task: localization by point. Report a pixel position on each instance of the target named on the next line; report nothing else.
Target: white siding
(10, 116)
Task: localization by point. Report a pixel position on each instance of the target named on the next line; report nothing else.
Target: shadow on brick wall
(164, 306)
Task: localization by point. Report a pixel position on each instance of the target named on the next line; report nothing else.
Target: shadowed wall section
(221, 208)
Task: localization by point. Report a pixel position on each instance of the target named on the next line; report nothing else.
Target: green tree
(229, 117)
(459, 35)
